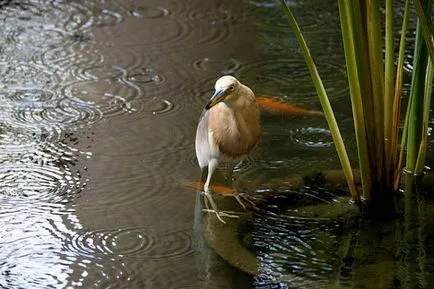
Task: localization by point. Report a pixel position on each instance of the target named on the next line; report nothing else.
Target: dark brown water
(99, 104)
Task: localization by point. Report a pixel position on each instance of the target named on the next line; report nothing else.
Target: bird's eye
(231, 87)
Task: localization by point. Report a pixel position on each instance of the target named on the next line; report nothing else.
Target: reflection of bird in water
(228, 129)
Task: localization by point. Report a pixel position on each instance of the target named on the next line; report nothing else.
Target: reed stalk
(415, 120)
(325, 103)
(397, 155)
(375, 86)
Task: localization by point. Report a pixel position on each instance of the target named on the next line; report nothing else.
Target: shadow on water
(99, 104)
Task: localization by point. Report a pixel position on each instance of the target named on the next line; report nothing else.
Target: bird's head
(225, 88)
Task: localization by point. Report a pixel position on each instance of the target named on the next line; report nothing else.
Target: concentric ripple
(102, 242)
(215, 34)
(30, 35)
(72, 57)
(211, 16)
(105, 17)
(69, 52)
(291, 77)
(30, 96)
(215, 20)
(150, 12)
(117, 64)
(144, 179)
(38, 178)
(159, 32)
(163, 107)
(36, 170)
(229, 66)
(145, 76)
(313, 16)
(103, 97)
(134, 242)
(73, 16)
(312, 137)
(44, 108)
(36, 182)
(15, 74)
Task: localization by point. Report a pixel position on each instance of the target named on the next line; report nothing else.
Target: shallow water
(99, 103)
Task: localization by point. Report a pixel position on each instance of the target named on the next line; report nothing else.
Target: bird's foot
(229, 214)
(209, 202)
(238, 197)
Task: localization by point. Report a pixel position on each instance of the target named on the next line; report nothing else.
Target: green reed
(375, 88)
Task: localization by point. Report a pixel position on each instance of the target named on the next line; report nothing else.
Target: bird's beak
(218, 96)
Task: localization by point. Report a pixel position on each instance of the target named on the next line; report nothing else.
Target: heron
(228, 129)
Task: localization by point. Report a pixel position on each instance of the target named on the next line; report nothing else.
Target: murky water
(99, 104)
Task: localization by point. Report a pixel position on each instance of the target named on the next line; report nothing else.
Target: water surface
(99, 104)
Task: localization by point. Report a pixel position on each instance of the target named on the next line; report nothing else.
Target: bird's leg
(212, 165)
(208, 195)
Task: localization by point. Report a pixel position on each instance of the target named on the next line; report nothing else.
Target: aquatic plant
(375, 87)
